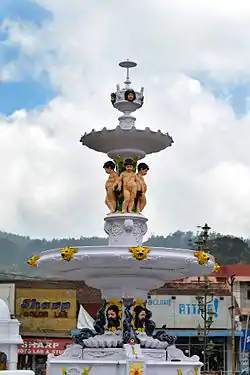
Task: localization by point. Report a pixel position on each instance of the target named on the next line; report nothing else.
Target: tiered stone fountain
(124, 339)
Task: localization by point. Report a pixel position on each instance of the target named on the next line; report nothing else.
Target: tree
(229, 249)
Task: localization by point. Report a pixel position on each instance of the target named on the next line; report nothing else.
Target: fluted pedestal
(125, 229)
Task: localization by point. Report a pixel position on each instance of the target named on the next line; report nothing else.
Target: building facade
(241, 292)
(47, 317)
(182, 317)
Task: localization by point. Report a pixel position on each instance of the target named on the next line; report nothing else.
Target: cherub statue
(129, 184)
(143, 169)
(111, 182)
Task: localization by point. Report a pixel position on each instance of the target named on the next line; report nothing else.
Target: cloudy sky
(58, 65)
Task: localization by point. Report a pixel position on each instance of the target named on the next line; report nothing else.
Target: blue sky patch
(25, 10)
(236, 94)
(27, 94)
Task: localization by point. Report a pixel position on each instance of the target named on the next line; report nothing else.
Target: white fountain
(124, 339)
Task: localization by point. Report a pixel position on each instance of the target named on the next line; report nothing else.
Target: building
(241, 292)
(179, 312)
(47, 317)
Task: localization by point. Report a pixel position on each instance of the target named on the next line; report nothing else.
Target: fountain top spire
(126, 140)
(127, 65)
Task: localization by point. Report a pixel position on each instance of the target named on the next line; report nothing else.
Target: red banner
(43, 346)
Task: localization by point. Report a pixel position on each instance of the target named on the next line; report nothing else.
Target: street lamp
(202, 238)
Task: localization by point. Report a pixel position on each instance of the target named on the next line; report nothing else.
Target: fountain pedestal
(76, 361)
(125, 230)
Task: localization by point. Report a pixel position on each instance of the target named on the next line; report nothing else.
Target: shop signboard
(245, 340)
(36, 346)
(244, 363)
(179, 312)
(46, 310)
(7, 294)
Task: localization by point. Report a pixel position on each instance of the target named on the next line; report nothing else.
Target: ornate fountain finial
(127, 65)
(127, 100)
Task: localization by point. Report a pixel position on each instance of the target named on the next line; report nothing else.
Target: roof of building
(239, 270)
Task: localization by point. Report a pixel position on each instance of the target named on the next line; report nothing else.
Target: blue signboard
(245, 340)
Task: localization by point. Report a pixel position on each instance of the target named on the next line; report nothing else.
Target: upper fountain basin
(128, 143)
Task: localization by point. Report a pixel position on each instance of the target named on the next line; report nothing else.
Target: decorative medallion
(32, 262)
(139, 252)
(216, 266)
(114, 315)
(136, 368)
(67, 253)
(86, 370)
(202, 257)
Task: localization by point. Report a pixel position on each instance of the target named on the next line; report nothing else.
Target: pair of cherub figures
(129, 184)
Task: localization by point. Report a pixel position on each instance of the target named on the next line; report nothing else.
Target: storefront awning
(210, 334)
(42, 346)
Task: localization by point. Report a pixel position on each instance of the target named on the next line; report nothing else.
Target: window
(248, 294)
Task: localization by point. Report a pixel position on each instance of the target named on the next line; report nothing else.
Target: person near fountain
(110, 199)
(129, 184)
(113, 320)
(143, 169)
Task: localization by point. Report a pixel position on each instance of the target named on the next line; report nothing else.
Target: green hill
(16, 249)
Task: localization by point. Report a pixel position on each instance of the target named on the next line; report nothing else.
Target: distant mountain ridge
(16, 249)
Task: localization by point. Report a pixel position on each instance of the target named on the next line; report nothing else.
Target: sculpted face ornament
(113, 98)
(130, 95)
(139, 252)
(67, 253)
(114, 316)
(32, 262)
(202, 257)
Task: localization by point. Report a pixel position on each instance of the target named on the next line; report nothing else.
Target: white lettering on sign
(40, 345)
(159, 302)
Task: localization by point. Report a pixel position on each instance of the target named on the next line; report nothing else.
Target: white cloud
(54, 187)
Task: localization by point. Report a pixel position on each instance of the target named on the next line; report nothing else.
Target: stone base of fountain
(117, 361)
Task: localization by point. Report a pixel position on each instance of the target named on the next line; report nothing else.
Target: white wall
(182, 312)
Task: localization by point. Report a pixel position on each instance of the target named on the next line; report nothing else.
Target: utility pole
(207, 298)
(232, 308)
(207, 316)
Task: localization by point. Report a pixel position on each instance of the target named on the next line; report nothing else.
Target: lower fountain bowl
(118, 273)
